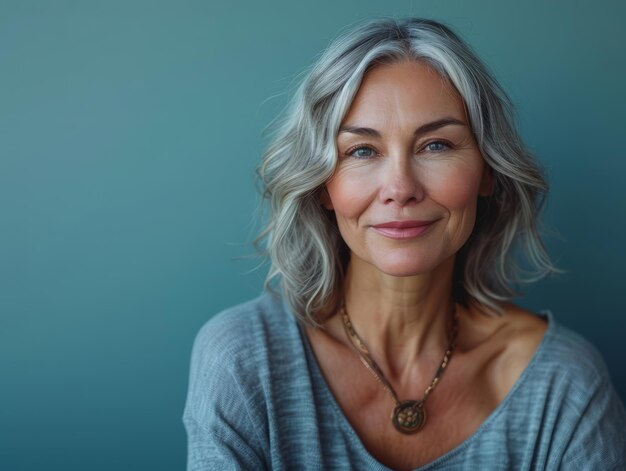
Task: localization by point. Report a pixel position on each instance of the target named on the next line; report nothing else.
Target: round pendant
(409, 416)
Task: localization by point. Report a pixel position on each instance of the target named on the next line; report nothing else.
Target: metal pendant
(409, 416)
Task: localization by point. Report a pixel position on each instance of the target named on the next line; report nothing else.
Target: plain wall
(129, 136)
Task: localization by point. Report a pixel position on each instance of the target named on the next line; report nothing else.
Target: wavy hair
(308, 256)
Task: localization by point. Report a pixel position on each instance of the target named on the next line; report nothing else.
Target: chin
(405, 267)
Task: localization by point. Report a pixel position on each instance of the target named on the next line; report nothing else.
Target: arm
(219, 449)
(598, 440)
(222, 432)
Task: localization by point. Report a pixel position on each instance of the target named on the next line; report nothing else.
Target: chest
(455, 409)
(451, 417)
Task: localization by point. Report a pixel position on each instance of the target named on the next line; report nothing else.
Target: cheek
(456, 189)
(350, 193)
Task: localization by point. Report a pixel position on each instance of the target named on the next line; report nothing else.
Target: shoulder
(233, 357)
(505, 341)
(562, 360)
(559, 347)
(587, 401)
(557, 387)
(247, 345)
(573, 355)
(241, 330)
(225, 414)
(520, 340)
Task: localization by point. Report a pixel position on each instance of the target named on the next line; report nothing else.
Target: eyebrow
(424, 128)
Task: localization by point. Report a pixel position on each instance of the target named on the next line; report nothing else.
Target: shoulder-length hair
(308, 256)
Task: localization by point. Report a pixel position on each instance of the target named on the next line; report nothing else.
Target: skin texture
(398, 292)
(434, 176)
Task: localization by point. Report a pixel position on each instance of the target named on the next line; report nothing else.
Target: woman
(399, 190)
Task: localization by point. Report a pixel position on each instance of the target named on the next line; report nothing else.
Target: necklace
(408, 416)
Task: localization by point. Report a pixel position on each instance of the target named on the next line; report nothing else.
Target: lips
(403, 229)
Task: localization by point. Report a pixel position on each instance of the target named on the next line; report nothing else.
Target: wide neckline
(491, 418)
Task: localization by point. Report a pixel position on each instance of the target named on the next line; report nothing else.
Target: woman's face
(409, 172)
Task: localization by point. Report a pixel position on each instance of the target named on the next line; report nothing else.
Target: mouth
(401, 230)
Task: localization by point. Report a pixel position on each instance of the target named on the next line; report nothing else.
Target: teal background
(129, 134)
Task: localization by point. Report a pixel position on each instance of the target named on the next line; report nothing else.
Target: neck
(405, 322)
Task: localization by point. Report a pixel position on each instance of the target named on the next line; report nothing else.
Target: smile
(400, 230)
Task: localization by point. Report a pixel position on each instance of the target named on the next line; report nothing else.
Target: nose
(400, 184)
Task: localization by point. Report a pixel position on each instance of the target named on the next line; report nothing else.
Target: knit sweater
(257, 400)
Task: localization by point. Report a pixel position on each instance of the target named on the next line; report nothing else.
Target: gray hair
(308, 256)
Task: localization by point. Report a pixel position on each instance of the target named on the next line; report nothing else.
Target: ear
(486, 182)
(325, 199)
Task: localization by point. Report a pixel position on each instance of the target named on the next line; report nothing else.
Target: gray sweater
(257, 400)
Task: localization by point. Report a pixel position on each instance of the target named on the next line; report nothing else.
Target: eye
(437, 146)
(361, 152)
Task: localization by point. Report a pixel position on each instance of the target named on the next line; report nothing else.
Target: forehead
(408, 89)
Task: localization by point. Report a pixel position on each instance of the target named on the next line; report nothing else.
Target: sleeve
(222, 433)
(598, 440)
